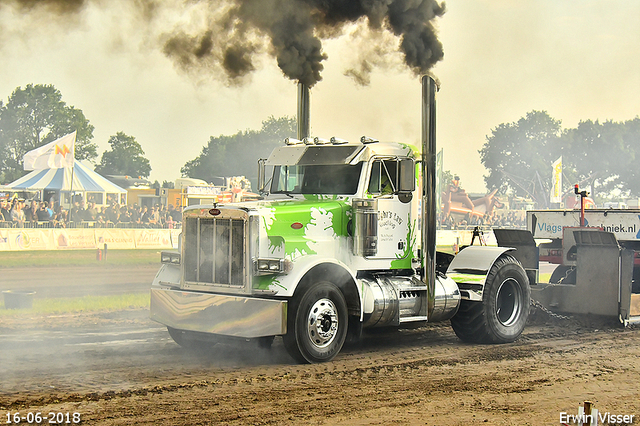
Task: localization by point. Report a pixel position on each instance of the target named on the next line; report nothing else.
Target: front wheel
(503, 312)
(317, 323)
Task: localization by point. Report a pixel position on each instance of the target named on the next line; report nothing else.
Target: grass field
(85, 258)
(65, 305)
(12, 259)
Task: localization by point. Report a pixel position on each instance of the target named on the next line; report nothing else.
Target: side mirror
(261, 163)
(407, 176)
(406, 180)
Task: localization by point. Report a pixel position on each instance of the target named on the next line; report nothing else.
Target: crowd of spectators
(509, 219)
(18, 213)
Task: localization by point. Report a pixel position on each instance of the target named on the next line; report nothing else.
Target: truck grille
(214, 251)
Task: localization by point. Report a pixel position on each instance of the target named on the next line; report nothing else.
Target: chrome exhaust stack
(304, 108)
(429, 208)
(393, 300)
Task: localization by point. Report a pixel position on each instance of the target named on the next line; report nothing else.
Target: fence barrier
(17, 239)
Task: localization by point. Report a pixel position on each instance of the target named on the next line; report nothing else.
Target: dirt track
(122, 368)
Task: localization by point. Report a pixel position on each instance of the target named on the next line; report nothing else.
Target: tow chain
(547, 311)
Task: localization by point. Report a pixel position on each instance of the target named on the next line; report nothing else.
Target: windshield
(316, 179)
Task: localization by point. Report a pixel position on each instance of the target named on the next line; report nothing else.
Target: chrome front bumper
(218, 314)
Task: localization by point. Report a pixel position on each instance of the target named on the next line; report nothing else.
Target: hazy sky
(503, 58)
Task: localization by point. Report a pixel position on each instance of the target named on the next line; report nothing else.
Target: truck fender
(301, 267)
(469, 269)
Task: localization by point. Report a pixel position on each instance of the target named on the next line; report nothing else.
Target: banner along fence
(12, 239)
(79, 239)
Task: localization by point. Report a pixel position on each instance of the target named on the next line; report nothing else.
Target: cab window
(384, 177)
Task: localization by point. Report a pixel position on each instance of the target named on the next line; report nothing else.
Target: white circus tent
(56, 183)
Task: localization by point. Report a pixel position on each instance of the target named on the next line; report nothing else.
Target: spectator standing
(49, 208)
(154, 220)
(113, 214)
(17, 215)
(74, 213)
(145, 216)
(169, 223)
(125, 217)
(31, 212)
(4, 211)
(91, 211)
(135, 214)
(175, 214)
(59, 218)
(42, 213)
(101, 218)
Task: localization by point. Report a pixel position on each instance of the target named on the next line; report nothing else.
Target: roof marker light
(321, 141)
(367, 139)
(338, 141)
(292, 141)
(308, 141)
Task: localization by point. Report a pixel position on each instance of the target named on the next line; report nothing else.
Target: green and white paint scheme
(307, 230)
(339, 242)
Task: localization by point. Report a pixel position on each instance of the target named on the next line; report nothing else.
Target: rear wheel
(317, 323)
(503, 312)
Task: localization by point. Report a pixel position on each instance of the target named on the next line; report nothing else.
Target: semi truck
(343, 240)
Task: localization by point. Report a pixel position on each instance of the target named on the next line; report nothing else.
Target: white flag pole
(72, 196)
(73, 167)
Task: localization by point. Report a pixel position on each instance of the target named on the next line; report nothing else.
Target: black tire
(316, 323)
(503, 312)
(563, 275)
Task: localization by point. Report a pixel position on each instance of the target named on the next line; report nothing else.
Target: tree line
(518, 156)
(36, 115)
(599, 155)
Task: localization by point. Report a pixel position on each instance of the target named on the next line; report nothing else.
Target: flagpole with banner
(54, 155)
(73, 169)
(556, 182)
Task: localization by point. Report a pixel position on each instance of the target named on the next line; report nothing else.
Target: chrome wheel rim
(508, 302)
(322, 323)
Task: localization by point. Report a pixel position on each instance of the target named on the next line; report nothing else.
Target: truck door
(393, 215)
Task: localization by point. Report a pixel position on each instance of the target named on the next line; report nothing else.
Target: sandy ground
(122, 368)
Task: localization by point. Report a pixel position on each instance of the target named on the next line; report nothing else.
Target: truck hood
(303, 226)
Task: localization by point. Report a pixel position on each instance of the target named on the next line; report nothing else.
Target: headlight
(170, 257)
(268, 266)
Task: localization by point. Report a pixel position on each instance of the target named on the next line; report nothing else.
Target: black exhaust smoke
(233, 32)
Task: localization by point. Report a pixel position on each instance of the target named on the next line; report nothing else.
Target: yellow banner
(153, 238)
(116, 238)
(12, 239)
(74, 239)
(4, 240)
